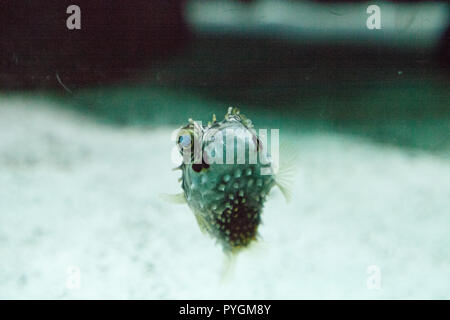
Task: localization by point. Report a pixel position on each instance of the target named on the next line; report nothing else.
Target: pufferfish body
(225, 192)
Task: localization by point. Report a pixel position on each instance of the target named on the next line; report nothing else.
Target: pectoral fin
(178, 198)
(285, 172)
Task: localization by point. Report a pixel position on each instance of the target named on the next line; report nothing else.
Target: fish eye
(184, 140)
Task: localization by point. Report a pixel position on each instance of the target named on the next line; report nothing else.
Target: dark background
(140, 63)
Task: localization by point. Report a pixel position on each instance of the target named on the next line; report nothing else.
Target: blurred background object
(404, 27)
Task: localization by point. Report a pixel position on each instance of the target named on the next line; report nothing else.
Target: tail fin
(229, 267)
(255, 250)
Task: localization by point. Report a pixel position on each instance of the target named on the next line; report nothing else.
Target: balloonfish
(227, 174)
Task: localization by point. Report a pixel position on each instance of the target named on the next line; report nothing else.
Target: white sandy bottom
(75, 193)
